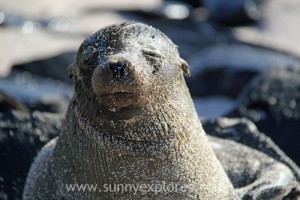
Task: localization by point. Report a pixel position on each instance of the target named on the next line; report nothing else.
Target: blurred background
(225, 43)
(244, 58)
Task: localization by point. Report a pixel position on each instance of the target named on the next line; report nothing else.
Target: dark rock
(233, 12)
(21, 137)
(272, 102)
(36, 92)
(227, 69)
(53, 67)
(8, 103)
(221, 11)
(244, 131)
(213, 106)
(253, 174)
(169, 10)
(51, 103)
(239, 160)
(193, 3)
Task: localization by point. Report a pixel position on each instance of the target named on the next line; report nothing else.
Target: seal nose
(120, 67)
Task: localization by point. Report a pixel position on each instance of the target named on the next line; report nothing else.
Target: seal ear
(185, 67)
(70, 70)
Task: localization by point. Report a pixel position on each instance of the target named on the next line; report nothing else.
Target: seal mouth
(119, 95)
(120, 99)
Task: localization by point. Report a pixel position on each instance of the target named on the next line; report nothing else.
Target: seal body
(131, 128)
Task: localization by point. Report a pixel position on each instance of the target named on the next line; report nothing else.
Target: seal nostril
(125, 69)
(118, 69)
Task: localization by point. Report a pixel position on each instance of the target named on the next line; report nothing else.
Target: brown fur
(131, 121)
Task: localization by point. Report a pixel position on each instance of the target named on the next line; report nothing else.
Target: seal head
(120, 68)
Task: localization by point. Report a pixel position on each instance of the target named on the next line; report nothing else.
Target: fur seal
(131, 124)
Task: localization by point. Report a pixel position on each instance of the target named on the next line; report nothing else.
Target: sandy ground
(25, 43)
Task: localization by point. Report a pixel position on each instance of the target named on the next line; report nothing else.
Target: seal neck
(174, 118)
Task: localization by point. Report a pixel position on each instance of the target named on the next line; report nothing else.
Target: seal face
(119, 67)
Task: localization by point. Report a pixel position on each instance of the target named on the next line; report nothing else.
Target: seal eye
(150, 53)
(154, 59)
(91, 61)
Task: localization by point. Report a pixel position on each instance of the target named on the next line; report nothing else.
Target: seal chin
(119, 100)
(121, 105)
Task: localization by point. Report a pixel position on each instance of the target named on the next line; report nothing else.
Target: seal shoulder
(39, 173)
